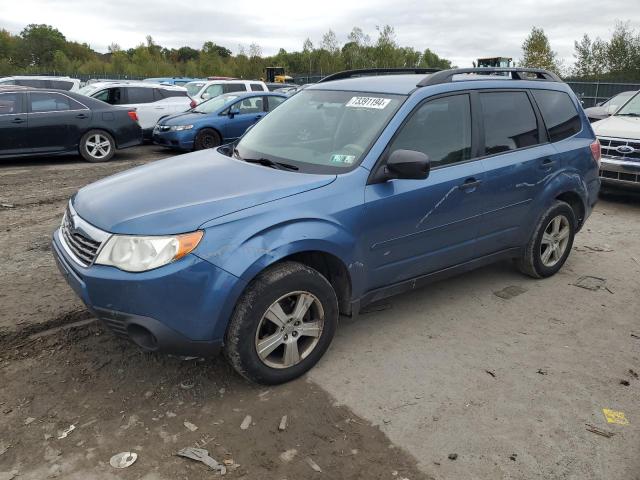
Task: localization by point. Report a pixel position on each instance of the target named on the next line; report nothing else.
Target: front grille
(610, 146)
(83, 248)
(626, 177)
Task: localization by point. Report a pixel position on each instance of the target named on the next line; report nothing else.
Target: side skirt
(423, 280)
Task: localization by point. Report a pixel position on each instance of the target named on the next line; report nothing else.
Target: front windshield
(632, 107)
(320, 131)
(193, 88)
(214, 104)
(615, 102)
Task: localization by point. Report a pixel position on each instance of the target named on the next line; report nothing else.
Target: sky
(460, 31)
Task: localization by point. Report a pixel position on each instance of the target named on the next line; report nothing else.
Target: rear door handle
(18, 120)
(547, 163)
(470, 184)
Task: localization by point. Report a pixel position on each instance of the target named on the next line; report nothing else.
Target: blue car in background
(178, 81)
(215, 122)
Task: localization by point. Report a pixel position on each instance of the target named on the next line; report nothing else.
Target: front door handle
(18, 120)
(470, 184)
(82, 115)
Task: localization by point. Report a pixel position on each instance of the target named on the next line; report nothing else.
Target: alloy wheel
(289, 330)
(555, 240)
(98, 146)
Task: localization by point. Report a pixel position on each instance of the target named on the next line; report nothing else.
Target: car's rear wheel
(282, 324)
(207, 138)
(97, 146)
(551, 242)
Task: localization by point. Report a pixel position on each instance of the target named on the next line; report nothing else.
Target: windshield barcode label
(368, 102)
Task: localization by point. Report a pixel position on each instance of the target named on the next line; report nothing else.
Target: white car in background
(619, 137)
(43, 81)
(201, 90)
(151, 101)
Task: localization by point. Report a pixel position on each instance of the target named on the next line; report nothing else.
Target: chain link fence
(592, 93)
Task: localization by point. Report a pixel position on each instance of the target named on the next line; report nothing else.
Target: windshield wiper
(266, 162)
(632, 114)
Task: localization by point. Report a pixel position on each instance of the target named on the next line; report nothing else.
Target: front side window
(256, 87)
(52, 102)
(321, 131)
(559, 114)
(248, 105)
(214, 90)
(214, 104)
(439, 128)
(509, 121)
(112, 96)
(10, 103)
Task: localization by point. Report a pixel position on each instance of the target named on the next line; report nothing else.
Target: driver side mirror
(404, 165)
(233, 112)
(205, 96)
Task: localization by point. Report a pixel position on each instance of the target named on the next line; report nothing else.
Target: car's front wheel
(282, 324)
(97, 146)
(207, 138)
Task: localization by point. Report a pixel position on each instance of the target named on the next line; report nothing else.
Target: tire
(97, 146)
(550, 241)
(289, 285)
(207, 138)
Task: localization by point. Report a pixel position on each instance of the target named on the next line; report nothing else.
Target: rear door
(518, 159)
(13, 123)
(56, 122)
(413, 227)
(149, 111)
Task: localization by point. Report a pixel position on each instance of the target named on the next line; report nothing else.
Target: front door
(13, 124)
(241, 115)
(413, 227)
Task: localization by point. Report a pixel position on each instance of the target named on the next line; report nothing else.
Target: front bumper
(178, 140)
(182, 308)
(620, 173)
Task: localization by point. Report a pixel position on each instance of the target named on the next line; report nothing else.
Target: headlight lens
(179, 128)
(138, 254)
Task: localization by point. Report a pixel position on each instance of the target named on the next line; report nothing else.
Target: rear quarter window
(61, 84)
(139, 95)
(559, 114)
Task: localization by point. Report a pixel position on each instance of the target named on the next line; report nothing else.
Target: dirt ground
(498, 371)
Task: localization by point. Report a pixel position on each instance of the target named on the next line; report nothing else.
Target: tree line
(44, 49)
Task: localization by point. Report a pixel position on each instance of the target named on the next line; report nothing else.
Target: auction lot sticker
(368, 102)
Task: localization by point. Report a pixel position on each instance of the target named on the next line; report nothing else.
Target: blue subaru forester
(357, 188)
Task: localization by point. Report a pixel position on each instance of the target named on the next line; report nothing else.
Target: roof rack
(375, 71)
(445, 76)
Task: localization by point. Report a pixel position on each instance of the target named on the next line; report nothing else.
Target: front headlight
(138, 254)
(179, 128)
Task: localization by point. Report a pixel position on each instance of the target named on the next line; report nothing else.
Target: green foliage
(537, 53)
(43, 49)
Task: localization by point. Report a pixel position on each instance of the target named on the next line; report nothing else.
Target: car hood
(181, 193)
(618, 126)
(596, 111)
(186, 118)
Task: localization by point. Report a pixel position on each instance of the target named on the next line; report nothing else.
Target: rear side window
(61, 84)
(28, 82)
(233, 87)
(256, 87)
(559, 114)
(139, 95)
(10, 103)
(440, 128)
(52, 102)
(161, 93)
(274, 102)
(509, 121)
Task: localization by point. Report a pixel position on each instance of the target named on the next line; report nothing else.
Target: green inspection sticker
(344, 159)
